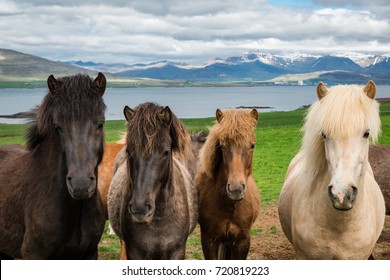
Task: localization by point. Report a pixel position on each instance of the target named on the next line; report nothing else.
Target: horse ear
(166, 115)
(219, 115)
(128, 112)
(255, 114)
(321, 90)
(53, 84)
(100, 83)
(370, 89)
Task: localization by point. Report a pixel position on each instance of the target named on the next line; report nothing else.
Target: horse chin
(81, 195)
(235, 196)
(342, 206)
(141, 219)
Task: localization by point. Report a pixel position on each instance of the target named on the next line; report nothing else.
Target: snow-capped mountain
(261, 66)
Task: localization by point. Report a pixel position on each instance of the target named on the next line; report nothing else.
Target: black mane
(75, 97)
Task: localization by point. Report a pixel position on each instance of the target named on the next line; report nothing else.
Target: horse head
(77, 121)
(237, 153)
(149, 147)
(345, 134)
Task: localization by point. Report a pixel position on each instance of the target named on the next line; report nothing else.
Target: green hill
(17, 66)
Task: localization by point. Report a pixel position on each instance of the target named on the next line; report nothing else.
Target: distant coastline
(21, 115)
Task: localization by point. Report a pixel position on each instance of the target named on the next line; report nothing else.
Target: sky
(143, 31)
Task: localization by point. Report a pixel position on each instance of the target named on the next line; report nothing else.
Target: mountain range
(252, 67)
(261, 67)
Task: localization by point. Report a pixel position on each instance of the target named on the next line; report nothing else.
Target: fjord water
(185, 102)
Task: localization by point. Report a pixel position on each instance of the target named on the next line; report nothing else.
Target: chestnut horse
(49, 205)
(330, 206)
(229, 200)
(152, 202)
(106, 170)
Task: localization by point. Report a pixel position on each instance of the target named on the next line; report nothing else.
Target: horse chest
(156, 242)
(321, 241)
(227, 224)
(64, 233)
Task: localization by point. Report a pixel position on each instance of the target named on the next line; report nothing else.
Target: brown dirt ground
(271, 244)
(268, 240)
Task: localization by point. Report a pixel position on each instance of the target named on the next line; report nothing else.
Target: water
(185, 102)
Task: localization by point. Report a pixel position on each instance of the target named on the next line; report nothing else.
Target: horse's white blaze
(346, 163)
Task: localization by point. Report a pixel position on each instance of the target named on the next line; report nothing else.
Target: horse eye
(100, 126)
(323, 135)
(58, 128)
(166, 153)
(252, 146)
(366, 134)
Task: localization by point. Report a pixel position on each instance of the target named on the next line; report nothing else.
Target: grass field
(278, 137)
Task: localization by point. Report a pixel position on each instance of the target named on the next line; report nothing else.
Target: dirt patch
(270, 243)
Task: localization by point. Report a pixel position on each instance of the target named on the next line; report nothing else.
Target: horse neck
(49, 152)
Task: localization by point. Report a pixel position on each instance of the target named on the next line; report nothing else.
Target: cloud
(143, 31)
(380, 8)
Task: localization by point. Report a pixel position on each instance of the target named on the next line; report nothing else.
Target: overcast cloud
(190, 31)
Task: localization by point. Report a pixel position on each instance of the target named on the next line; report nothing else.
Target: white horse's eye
(323, 135)
(366, 134)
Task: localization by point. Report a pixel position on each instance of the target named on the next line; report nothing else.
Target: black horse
(49, 206)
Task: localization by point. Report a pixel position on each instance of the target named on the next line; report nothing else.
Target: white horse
(330, 206)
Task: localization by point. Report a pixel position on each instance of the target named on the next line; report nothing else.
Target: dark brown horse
(49, 205)
(229, 200)
(152, 202)
(379, 158)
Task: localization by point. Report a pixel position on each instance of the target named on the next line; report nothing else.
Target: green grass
(109, 246)
(278, 137)
(12, 134)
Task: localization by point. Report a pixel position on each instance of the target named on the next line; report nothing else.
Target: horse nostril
(354, 193)
(330, 193)
(148, 208)
(139, 210)
(130, 208)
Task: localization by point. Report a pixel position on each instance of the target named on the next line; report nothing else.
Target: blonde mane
(236, 126)
(346, 110)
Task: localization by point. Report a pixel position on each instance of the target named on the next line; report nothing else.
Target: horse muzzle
(235, 191)
(81, 188)
(343, 199)
(141, 215)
